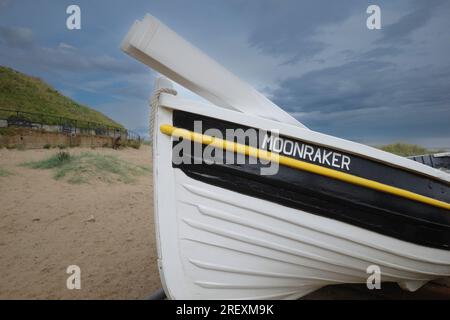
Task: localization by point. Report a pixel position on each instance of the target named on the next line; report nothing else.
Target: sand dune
(46, 225)
(105, 229)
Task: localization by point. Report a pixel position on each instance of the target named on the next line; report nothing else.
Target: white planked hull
(219, 244)
(231, 242)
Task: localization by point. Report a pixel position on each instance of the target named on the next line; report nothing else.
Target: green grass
(89, 166)
(133, 144)
(406, 150)
(4, 173)
(25, 93)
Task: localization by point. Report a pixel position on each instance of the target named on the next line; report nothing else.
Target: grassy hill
(406, 150)
(25, 93)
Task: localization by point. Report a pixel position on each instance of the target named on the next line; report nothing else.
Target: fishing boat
(252, 204)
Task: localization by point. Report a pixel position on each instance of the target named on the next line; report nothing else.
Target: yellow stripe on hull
(297, 164)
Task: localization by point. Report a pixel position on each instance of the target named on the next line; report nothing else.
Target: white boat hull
(215, 243)
(334, 208)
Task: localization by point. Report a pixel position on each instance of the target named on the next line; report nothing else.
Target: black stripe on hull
(366, 208)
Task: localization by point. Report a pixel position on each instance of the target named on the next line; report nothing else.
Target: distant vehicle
(17, 121)
(100, 132)
(437, 160)
(68, 128)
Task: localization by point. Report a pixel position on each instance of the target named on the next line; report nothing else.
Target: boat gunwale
(294, 132)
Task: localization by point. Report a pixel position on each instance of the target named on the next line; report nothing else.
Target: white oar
(159, 47)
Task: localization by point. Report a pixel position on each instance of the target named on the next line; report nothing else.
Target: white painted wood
(295, 132)
(219, 244)
(214, 243)
(156, 45)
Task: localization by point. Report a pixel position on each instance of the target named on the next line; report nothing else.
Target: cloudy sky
(316, 59)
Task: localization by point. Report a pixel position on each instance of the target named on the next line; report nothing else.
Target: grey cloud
(75, 60)
(332, 89)
(364, 84)
(133, 86)
(288, 28)
(19, 48)
(386, 125)
(381, 52)
(371, 98)
(16, 37)
(133, 113)
(80, 71)
(141, 90)
(399, 32)
(4, 3)
(310, 49)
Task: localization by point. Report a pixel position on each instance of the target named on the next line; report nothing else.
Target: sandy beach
(47, 225)
(106, 229)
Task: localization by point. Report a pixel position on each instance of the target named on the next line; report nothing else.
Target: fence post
(92, 127)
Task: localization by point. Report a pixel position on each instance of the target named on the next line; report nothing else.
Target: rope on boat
(154, 104)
